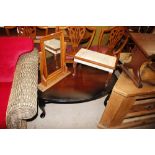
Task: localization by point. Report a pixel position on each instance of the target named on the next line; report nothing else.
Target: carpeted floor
(73, 116)
(70, 116)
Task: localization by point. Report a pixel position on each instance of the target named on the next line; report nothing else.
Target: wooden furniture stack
(143, 52)
(129, 106)
(27, 31)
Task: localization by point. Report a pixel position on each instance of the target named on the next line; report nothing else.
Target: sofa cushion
(5, 88)
(10, 50)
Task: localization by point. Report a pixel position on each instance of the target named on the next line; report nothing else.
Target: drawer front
(142, 107)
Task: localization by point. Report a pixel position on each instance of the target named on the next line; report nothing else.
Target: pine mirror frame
(48, 80)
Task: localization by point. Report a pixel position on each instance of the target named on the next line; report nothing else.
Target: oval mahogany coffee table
(87, 85)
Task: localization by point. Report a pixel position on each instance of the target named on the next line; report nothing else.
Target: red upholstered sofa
(18, 81)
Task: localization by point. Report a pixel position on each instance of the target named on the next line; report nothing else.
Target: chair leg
(74, 68)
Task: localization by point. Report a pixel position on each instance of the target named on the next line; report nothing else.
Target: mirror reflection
(52, 54)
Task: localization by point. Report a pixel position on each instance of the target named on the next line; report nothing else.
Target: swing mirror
(52, 60)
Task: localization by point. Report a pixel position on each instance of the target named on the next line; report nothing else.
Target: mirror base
(43, 88)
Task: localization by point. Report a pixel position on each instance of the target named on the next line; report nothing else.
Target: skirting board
(43, 88)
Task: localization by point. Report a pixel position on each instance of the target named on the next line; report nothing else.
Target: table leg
(42, 107)
(138, 58)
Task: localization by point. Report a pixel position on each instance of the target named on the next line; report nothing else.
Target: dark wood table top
(88, 84)
(145, 42)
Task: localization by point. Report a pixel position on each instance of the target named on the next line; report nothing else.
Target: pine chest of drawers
(129, 106)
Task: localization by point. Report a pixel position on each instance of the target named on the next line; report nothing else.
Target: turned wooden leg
(74, 68)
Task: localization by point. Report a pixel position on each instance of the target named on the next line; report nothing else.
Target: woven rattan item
(22, 103)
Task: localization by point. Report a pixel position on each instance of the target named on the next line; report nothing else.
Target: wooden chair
(117, 38)
(105, 57)
(41, 31)
(11, 30)
(31, 31)
(78, 37)
(88, 38)
(75, 35)
(27, 31)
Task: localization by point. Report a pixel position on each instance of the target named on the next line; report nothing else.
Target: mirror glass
(52, 54)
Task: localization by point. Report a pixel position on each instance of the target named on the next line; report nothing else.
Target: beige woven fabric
(22, 103)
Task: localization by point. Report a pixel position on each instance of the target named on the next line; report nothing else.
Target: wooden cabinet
(129, 106)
